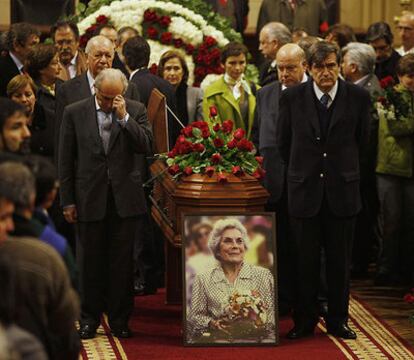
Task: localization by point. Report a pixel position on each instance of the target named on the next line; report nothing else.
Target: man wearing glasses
(65, 35)
(322, 130)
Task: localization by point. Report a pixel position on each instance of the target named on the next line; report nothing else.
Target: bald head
(406, 30)
(100, 52)
(291, 64)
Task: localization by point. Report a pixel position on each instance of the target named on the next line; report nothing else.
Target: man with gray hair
(100, 54)
(101, 190)
(358, 66)
(406, 29)
(271, 38)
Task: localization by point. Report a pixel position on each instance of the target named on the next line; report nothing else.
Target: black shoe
(87, 331)
(123, 332)
(342, 331)
(299, 332)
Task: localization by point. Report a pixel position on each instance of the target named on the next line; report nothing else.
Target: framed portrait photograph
(229, 277)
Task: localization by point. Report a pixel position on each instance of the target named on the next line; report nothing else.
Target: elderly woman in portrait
(173, 68)
(42, 64)
(211, 308)
(22, 90)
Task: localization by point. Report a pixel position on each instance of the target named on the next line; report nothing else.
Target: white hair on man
(278, 31)
(219, 227)
(362, 55)
(97, 40)
(111, 75)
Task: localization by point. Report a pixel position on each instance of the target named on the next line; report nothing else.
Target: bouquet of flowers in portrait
(213, 149)
(394, 104)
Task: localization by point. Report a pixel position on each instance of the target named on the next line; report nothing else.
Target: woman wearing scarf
(232, 95)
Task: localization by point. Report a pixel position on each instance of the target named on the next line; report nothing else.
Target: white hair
(111, 75)
(219, 227)
(362, 55)
(98, 40)
(278, 31)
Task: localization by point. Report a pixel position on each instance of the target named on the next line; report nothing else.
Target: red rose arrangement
(206, 56)
(213, 149)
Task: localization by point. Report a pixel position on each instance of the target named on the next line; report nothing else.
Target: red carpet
(157, 336)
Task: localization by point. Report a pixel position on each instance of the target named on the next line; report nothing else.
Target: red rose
(323, 27)
(198, 147)
(173, 169)
(245, 145)
(227, 126)
(232, 144)
(205, 133)
(207, 59)
(259, 173)
(199, 59)
(237, 171)
(209, 170)
(102, 19)
(92, 29)
(153, 69)
(218, 143)
(188, 170)
(152, 32)
(210, 41)
(83, 40)
(200, 124)
(184, 147)
(259, 159)
(166, 38)
(239, 134)
(178, 43)
(216, 127)
(221, 178)
(188, 131)
(215, 53)
(213, 111)
(189, 49)
(150, 16)
(409, 298)
(181, 139)
(171, 154)
(215, 158)
(164, 21)
(200, 71)
(387, 81)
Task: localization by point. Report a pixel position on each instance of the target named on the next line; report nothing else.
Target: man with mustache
(322, 130)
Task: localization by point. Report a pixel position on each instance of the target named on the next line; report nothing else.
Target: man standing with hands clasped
(101, 190)
(321, 132)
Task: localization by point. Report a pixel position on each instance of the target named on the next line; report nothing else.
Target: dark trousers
(396, 224)
(335, 235)
(104, 253)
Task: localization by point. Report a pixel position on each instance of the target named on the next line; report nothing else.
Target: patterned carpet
(162, 339)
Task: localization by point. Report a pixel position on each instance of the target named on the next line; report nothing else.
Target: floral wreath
(189, 26)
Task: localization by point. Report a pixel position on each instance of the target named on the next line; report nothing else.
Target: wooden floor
(388, 303)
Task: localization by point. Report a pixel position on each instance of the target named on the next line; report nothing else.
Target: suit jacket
(220, 95)
(85, 170)
(8, 70)
(267, 113)
(267, 74)
(372, 85)
(81, 67)
(323, 168)
(194, 104)
(118, 64)
(75, 90)
(309, 14)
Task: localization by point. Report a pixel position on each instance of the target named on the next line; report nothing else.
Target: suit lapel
(340, 105)
(92, 123)
(83, 86)
(115, 130)
(310, 108)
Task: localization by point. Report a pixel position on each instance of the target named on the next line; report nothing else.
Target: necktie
(106, 126)
(325, 100)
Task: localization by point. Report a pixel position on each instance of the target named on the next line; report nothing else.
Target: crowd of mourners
(331, 116)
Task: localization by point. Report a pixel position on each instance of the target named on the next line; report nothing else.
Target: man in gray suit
(358, 66)
(101, 190)
(291, 66)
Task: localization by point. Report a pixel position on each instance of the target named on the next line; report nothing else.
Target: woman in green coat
(395, 178)
(232, 95)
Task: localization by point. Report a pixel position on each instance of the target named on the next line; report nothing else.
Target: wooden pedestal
(196, 193)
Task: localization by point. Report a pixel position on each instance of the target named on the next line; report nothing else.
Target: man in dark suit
(101, 189)
(271, 38)
(291, 64)
(321, 132)
(20, 39)
(136, 52)
(100, 53)
(358, 64)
